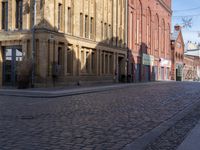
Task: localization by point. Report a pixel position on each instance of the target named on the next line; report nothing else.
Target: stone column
(78, 60)
(90, 61)
(0, 15)
(24, 49)
(51, 56)
(1, 66)
(56, 52)
(97, 62)
(104, 65)
(43, 50)
(100, 62)
(74, 53)
(65, 59)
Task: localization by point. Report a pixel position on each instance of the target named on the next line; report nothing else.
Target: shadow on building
(140, 65)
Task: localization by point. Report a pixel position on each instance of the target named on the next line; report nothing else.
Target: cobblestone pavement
(175, 135)
(104, 120)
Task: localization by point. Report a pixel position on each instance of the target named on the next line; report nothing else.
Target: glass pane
(8, 52)
(18, 59)
(19, 52)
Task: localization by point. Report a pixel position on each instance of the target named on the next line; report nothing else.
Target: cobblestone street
(103, 120)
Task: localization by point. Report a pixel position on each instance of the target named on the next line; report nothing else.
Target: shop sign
(148, 60)
(165, 63)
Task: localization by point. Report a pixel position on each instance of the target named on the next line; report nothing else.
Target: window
(82, 60)
(105, 31)
(60, 56)
(93, 61)
(106, 63)
(131, 30)
(19, 9)
(109, 31)
(81, 24)
(111, 64)
(137, 31)
(5, 15)
(60, 18)
(69, 60)
(101, 30)
(91, 28)
(69, 20)
(102, 63)
(87, 67)
(86, 26)
(163, 35)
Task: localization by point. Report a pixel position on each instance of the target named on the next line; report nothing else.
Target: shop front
(179, 72)
(148, 62)
(165, 66)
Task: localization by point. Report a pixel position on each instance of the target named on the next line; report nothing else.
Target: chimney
(177, 28)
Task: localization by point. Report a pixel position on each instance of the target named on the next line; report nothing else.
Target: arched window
(163, 36)
(139, 23)
(149, 27)
(168, 39)
(156, 32)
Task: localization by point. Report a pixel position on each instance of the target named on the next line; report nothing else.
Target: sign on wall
(147, 60)
(165, 62)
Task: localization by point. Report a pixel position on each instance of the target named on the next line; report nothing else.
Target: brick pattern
(151, 20)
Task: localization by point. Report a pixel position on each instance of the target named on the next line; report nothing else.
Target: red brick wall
(150, 30)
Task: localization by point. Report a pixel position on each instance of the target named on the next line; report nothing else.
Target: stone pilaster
(24, 48)
(0, 15)
(43, 50)
(1, 66)
(97, 62)
(65, 59)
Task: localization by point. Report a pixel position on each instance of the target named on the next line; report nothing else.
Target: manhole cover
(26, 117)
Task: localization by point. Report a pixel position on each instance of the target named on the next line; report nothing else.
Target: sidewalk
(192, 141)
(68, 91)
(59, 92)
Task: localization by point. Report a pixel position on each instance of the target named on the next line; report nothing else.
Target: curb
(52, 94)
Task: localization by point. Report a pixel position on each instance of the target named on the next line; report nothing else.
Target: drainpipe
(33, 44)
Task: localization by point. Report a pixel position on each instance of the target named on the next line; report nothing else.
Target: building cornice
(165, 6)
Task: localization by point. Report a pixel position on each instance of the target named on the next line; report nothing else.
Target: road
(103, 120)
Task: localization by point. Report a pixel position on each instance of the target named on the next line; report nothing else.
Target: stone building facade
(178, 47)
(149, 31)
(86, 39)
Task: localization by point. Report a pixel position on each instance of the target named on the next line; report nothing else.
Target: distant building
(191, 68)
(192, 62)
(177, 53)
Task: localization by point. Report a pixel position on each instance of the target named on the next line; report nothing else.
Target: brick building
(149, 31)
(191, 61)
(191, 66)
(85, 38)
(177, 45)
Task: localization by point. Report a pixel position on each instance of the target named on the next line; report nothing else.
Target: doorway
(11, 58)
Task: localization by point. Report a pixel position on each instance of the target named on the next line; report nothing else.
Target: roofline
(165, 6)
(193, 49)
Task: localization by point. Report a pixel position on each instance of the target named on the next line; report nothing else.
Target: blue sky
(189, 34)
